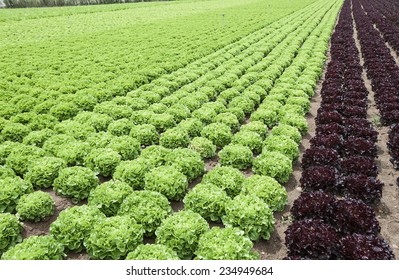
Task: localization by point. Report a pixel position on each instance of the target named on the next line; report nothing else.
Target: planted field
(199, 130)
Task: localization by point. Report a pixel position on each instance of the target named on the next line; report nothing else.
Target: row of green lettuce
(181, 119)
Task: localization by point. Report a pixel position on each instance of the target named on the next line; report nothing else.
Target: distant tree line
(53, 3)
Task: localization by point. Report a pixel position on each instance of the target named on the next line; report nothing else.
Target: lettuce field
(200, 130)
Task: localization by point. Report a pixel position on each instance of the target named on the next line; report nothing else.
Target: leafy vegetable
(12, 188)
(148, 208)
(168, 181)
(203, 146)
(181, 232)
(10, 231)
(35, 206)
(208, 200)
(256, 126)
(36, 248)
(282, 144)
(109, 196)
(187, 161)
(220, 134)
(250, 214)
(236, 155)
(103, 161)
(43, 171)
(273, 164)
(152, 252)
(227, 178)
(113, 238)
(146, 134)
(127, 147)
(132, 172)
(365, 247)
(225, 244)
(75, 182)
(74, 224)
(174, 138)
(268, 189)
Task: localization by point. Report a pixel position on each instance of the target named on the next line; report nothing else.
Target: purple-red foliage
(326, 117)
(319, 178)
(368, 189)
(329, 129)
(364, 247)
(314, 205)
(359, 165)
(358, 146)
(320, 156)
(331, 141)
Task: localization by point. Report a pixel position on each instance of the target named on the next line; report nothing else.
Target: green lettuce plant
(146, 134)
(14, 132)
(282, 144)
(174, 138)
(236, 155)
(250, 214)
(22, 156)
(225, 244)
(208, 200)
(227, 178)
(132, 172)
(12, 188)
(152, 252)
(192, 125)
(248, 139)
(155, 155)
(74, 224)
(287, 130)
(120, 127)
(219, 133)
(228, 119)
(273, 164)
(108, 196)
(168, 181)
(148, 208)
(103, 161)
(187, 161)
(6, 172)
(75, 182)
(10, 231)
(37, 138)
(43, 171)
(127, 147)
(268, 189)
(203, 146)
(181, 232)
(36, 248)
(35, 206)
(113, 238)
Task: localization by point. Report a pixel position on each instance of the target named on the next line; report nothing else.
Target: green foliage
(168, 181)
(100, 139)
(141, 117)
(132, 172)
(152, 252)
(103, 161)
(120, 127)
(295, 120)
(228, 119)
(158, 108)
(109, 196)
(98, 121)
(52, 144)
(174, 138)
(36, 248)
(268, 189)
(227, 178)
(187, 161)
(282, 144)
(205, 115)
(12, 188)
(203, 146)
(162, 122)
(14, 132)
(181, 232)
(21, 157)
(10, 231)
(192, 125)
(179, 112)
(73, 152)
(287, 130)
(155, 155)
(6, 172)
(225, 244)
(219, 133)
(257, 127)
(273, 164)
(37, 138)
(208, 200)
(249, 139)
(127, 147)
(236, 155)
(267, 116)
(43, 171)
(79, 131)
(64, 110)
(148, 208)
(146, 134)
(75, 182)
(35, 206)
(243, 102)
(113, 238)
(74, 224)
(239, 113)
(250, 214)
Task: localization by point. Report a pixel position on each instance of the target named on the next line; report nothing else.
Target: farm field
(200, 130)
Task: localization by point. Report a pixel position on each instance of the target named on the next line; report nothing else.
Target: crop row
(339, 163)
(150, 145)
